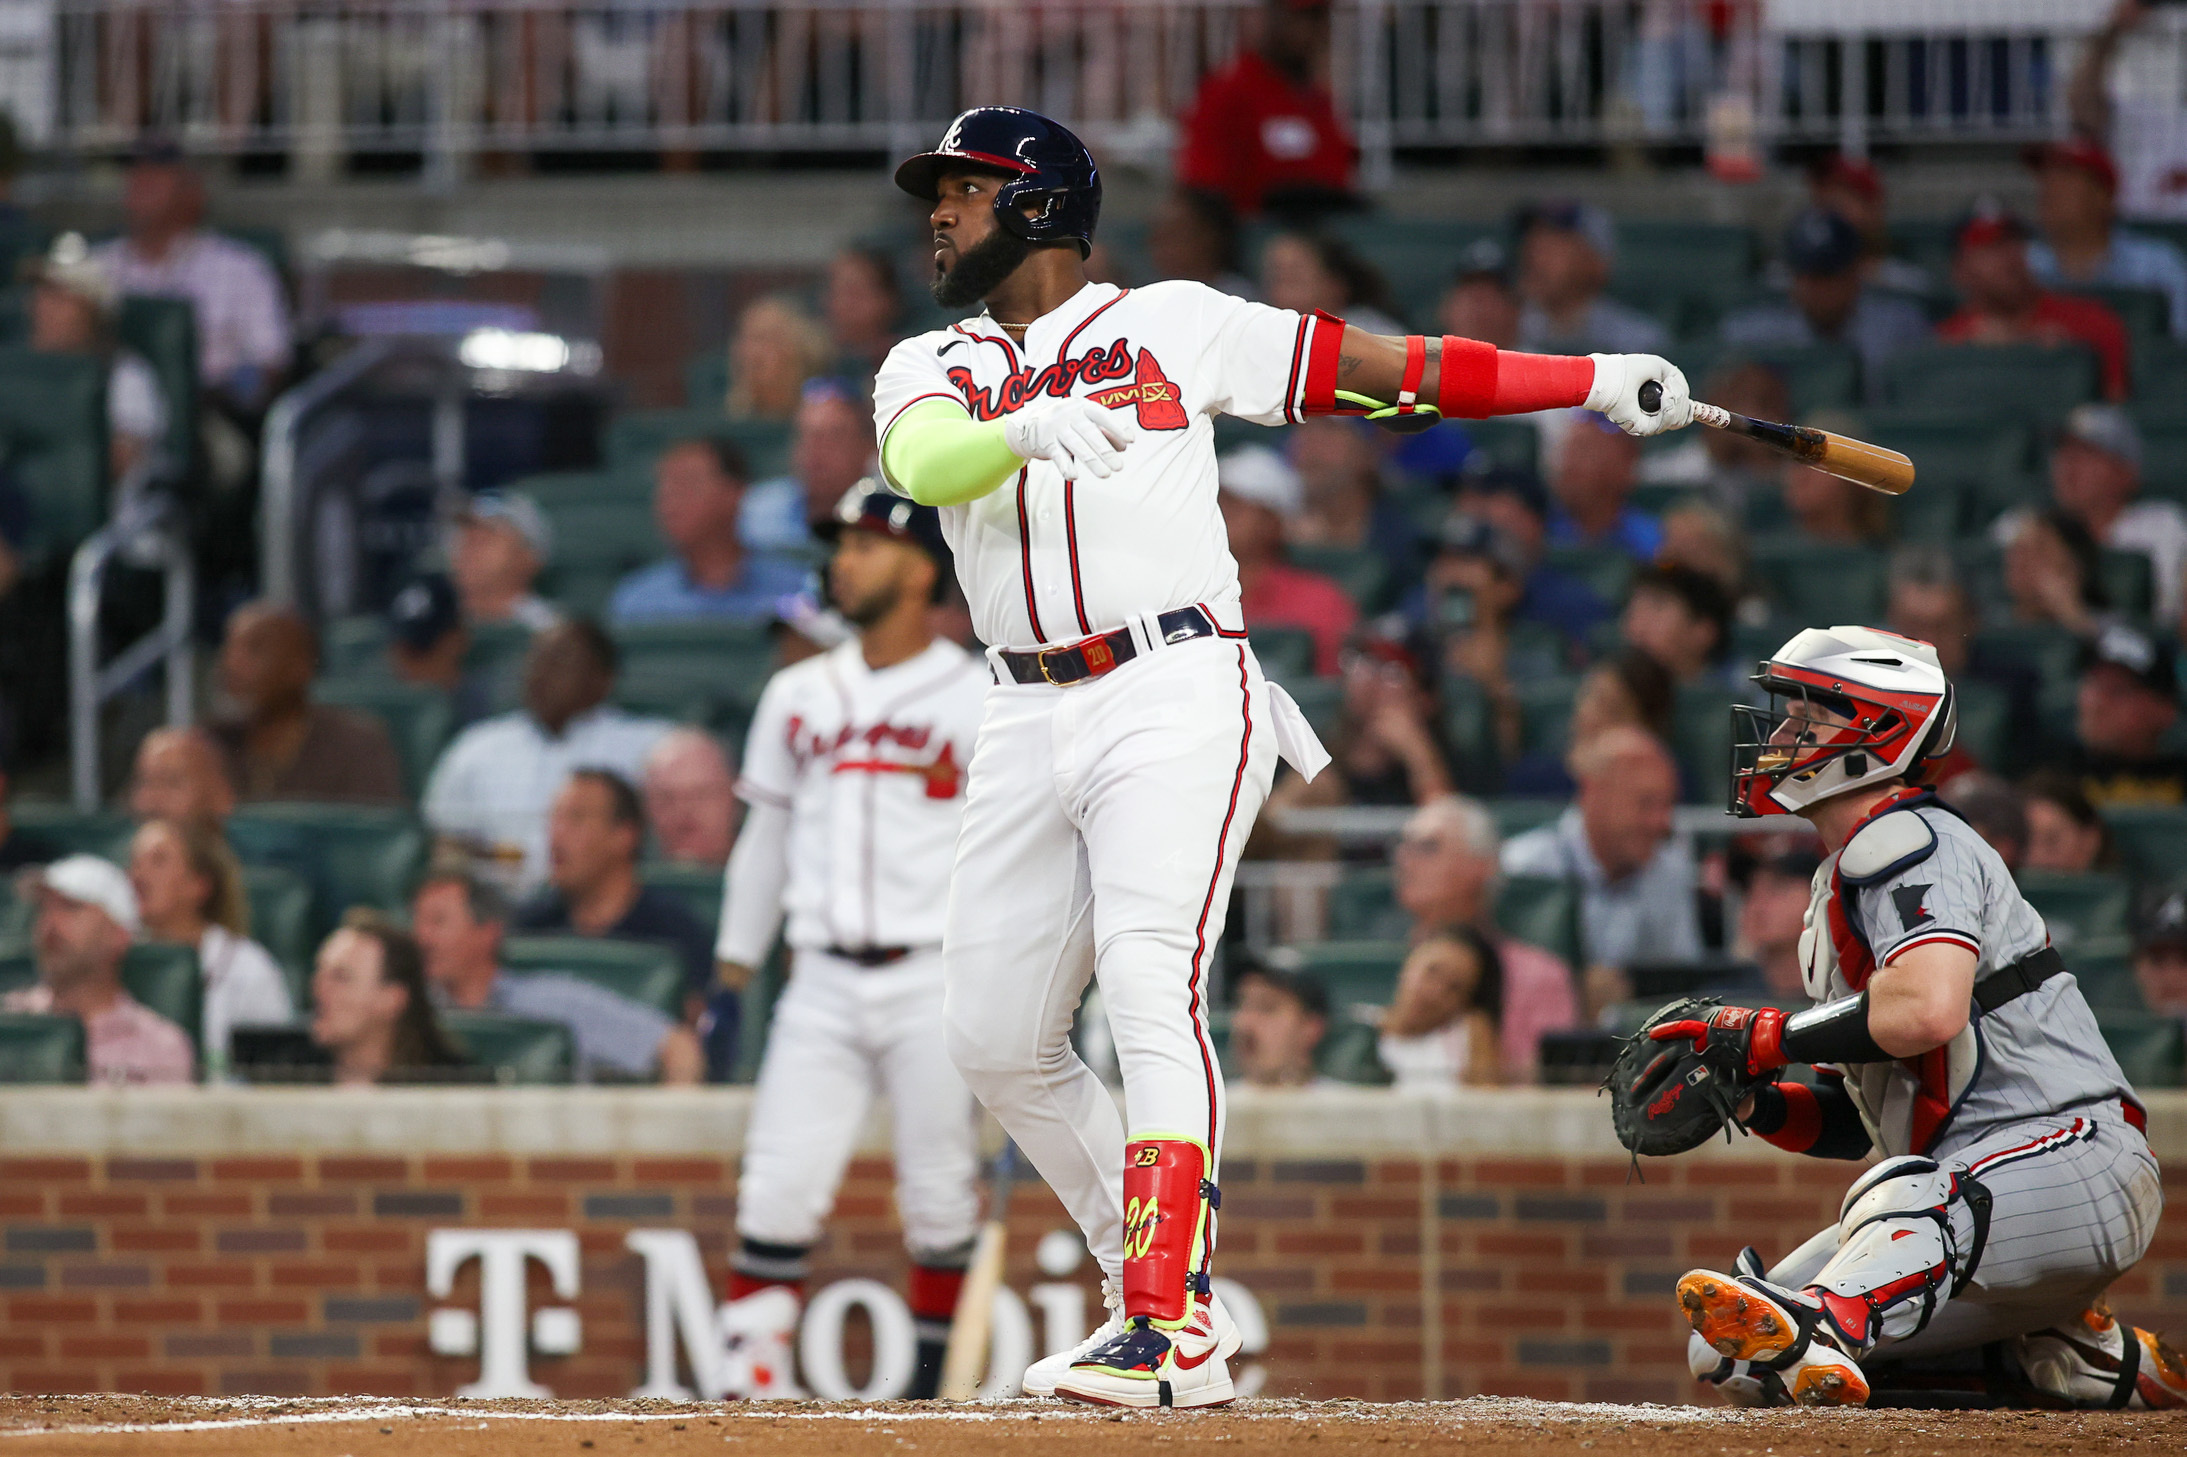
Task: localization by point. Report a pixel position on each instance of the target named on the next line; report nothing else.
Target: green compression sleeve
(940, 456)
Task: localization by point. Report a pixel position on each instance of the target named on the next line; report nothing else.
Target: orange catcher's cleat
(1746, 1320)
(2094, 1360)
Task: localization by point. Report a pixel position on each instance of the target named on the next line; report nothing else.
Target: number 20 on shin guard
(1167, 1195)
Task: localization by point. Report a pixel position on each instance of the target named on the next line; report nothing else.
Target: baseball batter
(854, 778)
(1946, 1035)
(1130, 737)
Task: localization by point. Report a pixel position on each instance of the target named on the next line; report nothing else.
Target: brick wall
(299, 1274)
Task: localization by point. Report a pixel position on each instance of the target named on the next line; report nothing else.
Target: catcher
(2015, 1184)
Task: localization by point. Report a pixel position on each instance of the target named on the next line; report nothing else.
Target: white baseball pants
(1102, 826)
(842, 1035)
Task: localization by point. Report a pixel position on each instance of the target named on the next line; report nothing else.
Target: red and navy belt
(1091, 657)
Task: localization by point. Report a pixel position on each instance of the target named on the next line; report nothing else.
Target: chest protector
(1905, 1102)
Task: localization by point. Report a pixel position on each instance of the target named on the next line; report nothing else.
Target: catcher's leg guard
(1910, 1234)
(1765, 1342)
(2095, 1360)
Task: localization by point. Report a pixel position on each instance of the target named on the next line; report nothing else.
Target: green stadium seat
(1321, 700)
(1709, 264)
(351, 647)
(636, 437)
(164, 332)
(1354, 973)
(1701, 740)
(687, 691)
(2128, 581)
(1516, 816)
(641, 971)
(706, 380)
(1990, 461)
(1515, 443)
(2152, 840)
(1607, 569)
(615, 533)
(53, 432)
(2053, 651)
(350, 855)
(1286, 653)
(2011, 382)
(742, 655)
(2146, 312)
(497, 648)
(1347, 1054)
(516, 1050)
(2079, 909)
(1545, 713)
(36, 1049)
(2149, 1049)
(1817, 581)
(2164, 454)
(1819, 376)
(1469, 733)
(2160, 380)
(419, 720)
(167, 979)
(72, 831)
(1360, 571)
(1986, 729)
(2104, 968)
(698, 887)
(281, 921)
(553, 489)
(1362, 906)
(1542, 911)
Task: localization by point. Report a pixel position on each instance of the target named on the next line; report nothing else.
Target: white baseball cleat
(758, 1331)
(1145, 1367)
(1041, 1377)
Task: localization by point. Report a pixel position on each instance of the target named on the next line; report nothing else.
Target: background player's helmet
(871, 506)
(1043, 161)
(1890, 710)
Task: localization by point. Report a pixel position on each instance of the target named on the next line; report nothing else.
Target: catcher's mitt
(1667, 1097)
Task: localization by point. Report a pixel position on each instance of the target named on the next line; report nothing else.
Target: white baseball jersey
(870, 767)
(1049, 560)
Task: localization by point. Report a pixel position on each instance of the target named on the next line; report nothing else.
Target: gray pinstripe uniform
(2030, 1098)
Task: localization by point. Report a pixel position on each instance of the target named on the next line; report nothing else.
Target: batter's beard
(981, 269)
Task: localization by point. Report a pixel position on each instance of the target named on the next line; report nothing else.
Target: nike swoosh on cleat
(1191, 1363)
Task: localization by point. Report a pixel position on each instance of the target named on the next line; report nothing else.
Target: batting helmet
(871, 506)
(1044, 163)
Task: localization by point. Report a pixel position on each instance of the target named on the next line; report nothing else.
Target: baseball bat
(964, 1360)
(1849, 460)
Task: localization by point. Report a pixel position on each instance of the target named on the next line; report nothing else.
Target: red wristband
(1416, 365)
(1528, 382)
(1766, 1041)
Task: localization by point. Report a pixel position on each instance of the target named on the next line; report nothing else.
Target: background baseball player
(1947, 1035)
(854, 774)
(1130, 737)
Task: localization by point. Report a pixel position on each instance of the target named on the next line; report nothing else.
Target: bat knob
(1651, 395)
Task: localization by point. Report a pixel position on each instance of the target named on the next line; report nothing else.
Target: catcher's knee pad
(1909, 1235)
(1169, 1198)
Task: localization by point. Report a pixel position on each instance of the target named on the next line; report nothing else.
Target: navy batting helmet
(1044, 163)
(871, 506)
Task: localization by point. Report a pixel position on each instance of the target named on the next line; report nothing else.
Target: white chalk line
(1460, 1413)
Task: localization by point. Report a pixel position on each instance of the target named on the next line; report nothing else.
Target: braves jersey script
(1048, 560)
(870, 765)
(2037, 1054)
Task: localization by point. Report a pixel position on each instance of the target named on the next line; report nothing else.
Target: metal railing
(146, 531)
(447, 79)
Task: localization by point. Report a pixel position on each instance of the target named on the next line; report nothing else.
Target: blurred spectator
(492, 789)
(1263, 131)
(1515, 503)
(1637, 879)
(2051, 572)
(2095, 477)
(1730, 468)
(2137, 109)
(691, 798)
(2077, 193)
(181, 774)
(1388, 747)
(459, 920)
(281, 745)
(1309, 271)
(594, 836)
(1772, 915)
(1825, 508)
(831, 446)
(1565, 253)
(1996, 811)
(1592, 472)
(1629, 689)
(1464, 614)
(86, 918)
(776, 347)
(242, 319)
(1480, 302)
(500, 543)
(1446, 875)
(1829, 301)
(2002, 301)
(2124, 709)
(1853, 189)
(20, 848)
(698, 495)
(427, 643)
(370, 1011)
(2160, 956)
(1441, 1028)
(863, 302)
(2066, 836)
(1260, 492)
(1194, 235)
(1706, 540)
(1929, 603)
(1339, 464)
(189, 892)
(1277, 1020)
(1679, 617)
(73, 302)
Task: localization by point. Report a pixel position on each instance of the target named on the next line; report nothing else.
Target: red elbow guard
(1319, 395)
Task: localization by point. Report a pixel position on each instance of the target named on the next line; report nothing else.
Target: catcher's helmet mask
(1044, 167)
(1890, 711)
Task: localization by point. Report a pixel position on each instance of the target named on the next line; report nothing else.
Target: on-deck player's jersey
(2037, 1054)
(1048, 560)
(870, 766)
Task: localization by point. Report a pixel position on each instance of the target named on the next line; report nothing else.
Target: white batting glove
(1077, 436)
(1616, 393)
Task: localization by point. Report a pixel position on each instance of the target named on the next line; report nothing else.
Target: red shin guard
(1167, 1196)
(933, 1291)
